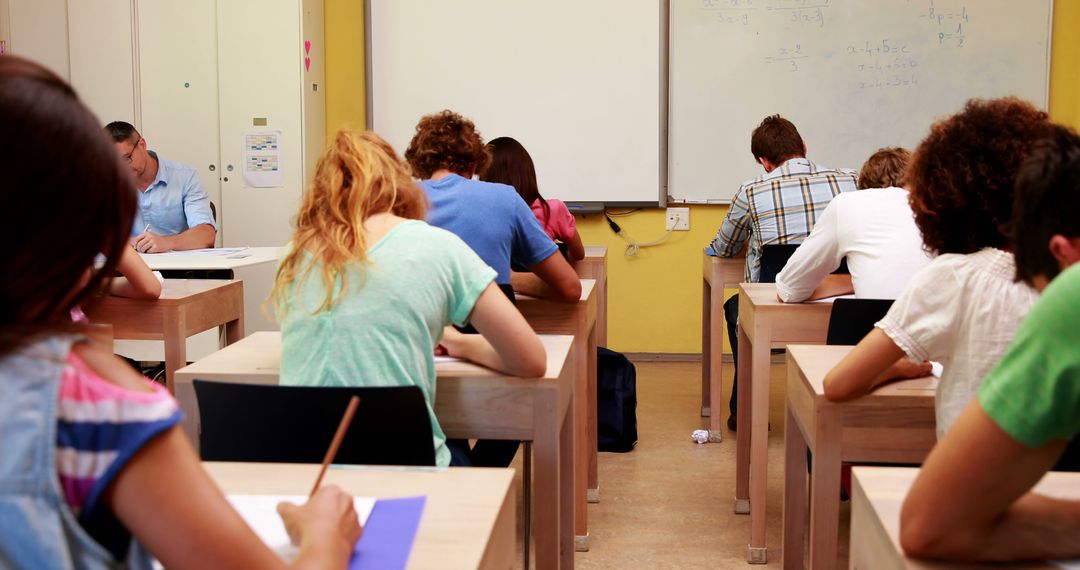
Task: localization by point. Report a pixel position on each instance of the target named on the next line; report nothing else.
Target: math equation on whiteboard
(747, 12)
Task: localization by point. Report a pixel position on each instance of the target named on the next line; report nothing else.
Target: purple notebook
(389, 534)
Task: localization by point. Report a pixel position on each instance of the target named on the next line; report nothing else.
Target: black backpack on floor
(616, 401)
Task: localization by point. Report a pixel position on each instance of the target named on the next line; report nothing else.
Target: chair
(294, 424)
(774, 257)
(852, 319)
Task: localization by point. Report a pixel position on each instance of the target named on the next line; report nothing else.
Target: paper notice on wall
(262, 159)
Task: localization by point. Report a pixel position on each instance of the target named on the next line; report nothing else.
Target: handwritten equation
(950, 24)
(787, 58)
(746, 12)
(884, 63)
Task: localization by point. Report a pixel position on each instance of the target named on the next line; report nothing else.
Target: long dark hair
(511, 164)
(70, 199)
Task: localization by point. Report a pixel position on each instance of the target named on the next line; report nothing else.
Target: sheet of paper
(831, 299)
(444, 359)
(936, 369)
(214, 251)
(260, 512)
(262, 159)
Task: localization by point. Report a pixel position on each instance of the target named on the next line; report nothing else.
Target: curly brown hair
(886, 167)
(961, 176)
(447, 140)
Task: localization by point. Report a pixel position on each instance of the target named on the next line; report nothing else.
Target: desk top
(883, 489)
(260, 354)
(175, 292)
(728, 269)
(174, 260)
(815, 361)
(763, 296)
(460, 515)
(587, 288)
(595, 251)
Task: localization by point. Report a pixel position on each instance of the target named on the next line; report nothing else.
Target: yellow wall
(344, 22)
(654, 298)
(1065, 64)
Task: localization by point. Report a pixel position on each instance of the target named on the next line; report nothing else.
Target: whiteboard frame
(664, 53)
(576, 206)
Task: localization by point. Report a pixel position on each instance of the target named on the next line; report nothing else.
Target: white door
(260, 67)
(178, 69)
(101, 48)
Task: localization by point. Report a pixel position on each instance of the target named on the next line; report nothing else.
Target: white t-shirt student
(875, 230)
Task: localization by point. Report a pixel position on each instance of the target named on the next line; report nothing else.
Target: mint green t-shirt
(383, 330)
(1034, 391)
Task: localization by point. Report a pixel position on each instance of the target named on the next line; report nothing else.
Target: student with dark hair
(512, 165)
(779, 207)
(173, 208)
(87, 442)
(962, 309)
(445, 153)
(972, 499)
(873, 229)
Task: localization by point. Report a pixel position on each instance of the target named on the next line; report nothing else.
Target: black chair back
(852, 319)
(773, 259)
(295, 424)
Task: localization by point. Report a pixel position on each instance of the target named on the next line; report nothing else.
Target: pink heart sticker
(307, 64)
(307, 47)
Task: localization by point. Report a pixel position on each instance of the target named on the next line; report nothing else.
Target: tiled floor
(669, 503)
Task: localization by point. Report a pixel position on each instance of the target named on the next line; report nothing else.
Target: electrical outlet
(678, 219)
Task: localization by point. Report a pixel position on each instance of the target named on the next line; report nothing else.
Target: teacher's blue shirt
(174, 202)
(492, 219)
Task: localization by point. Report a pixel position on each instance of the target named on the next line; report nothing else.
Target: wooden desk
(577, 319)
(186, 307)
(725, 273)
(468, 519)
(255, 266)
(877, 495)
(893, 424)
(594, 267)
(471, 402)
(764, 323)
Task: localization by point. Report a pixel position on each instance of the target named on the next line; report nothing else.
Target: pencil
(354, 402)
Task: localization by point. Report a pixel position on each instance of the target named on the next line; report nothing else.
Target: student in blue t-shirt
(495, 222)
(445, 153)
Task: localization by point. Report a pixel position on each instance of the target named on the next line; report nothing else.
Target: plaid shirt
(779, 207)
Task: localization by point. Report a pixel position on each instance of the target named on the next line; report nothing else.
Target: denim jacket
(37, 529)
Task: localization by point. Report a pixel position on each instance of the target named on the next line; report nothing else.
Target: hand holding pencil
(329, 513)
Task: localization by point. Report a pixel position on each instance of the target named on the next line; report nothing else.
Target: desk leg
(794, 494)
(716, 362)
(759, 439)
(706, 353)
(825, 490)
(601, 310)
(581, 447)
(593, 492)
(553, 493)
(742, 434)
(174, 325)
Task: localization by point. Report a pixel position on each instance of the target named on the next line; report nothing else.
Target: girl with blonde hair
(366, 290)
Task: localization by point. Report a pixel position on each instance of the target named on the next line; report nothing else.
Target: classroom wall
(345, 85)
(655, 297)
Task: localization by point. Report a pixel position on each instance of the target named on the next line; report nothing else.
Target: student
(95, 472)
(174, 209)
(778, 207)
(512, 165)
(366, 290)
(445, 153)
(960, 310)
(873, 228)
(136, 280)
(972, 499)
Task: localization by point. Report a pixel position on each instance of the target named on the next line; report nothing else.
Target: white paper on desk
(260, 512)
(936, 369)
(831, 299)
(215, 251)
(444, 359)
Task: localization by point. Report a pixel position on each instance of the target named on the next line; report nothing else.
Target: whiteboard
(853, 75)
(577, 82)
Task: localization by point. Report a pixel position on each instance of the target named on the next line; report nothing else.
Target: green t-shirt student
(383, 329)
(1033, 393)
